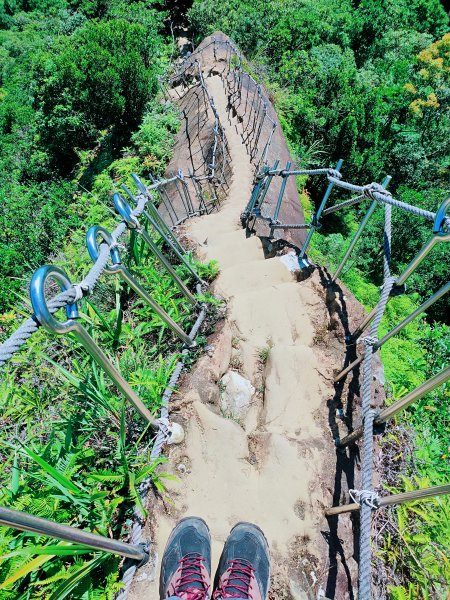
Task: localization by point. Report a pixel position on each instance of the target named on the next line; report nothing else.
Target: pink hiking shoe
(244, 567)
(186, 563)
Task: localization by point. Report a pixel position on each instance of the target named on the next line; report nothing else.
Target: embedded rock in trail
(236, 396)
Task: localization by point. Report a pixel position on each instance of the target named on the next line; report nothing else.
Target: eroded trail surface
(257, 444)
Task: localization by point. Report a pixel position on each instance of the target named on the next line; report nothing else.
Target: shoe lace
(192, 575)
(238, 582)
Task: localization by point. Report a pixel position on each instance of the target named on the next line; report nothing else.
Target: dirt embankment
(250, 112)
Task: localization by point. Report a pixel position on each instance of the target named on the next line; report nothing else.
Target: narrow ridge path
(267, 467)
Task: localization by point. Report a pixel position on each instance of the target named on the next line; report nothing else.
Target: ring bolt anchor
(44, 315)
(126, 212)
(41, 310)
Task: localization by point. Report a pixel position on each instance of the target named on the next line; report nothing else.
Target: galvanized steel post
(359, 231)
(48, 321)
(318, 214)
(25, 522)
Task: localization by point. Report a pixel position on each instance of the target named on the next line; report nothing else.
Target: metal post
(258, 201)
(246, 98)
(284, 176)
(420, 309)
(319, 212)
(399, 405)
(158, 218)
(258, 134)
(163, 260)
(168, 240)
(182, 198)
(25, 522)
(202, 208)
(117, 268)
(438, 490)
(186, 193)
(126, 275)
(359, 232)
(263, 159)
(255, 118)
(168, 204)
(48, 321)
(255, 193)
(143, 189)
(124, 209)
(440, 234)
(155, 219)
(426, 248)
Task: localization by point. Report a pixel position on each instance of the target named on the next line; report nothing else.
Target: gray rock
(236, 395)
(290, 261)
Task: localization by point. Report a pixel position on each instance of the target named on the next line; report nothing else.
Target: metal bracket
(305, 264)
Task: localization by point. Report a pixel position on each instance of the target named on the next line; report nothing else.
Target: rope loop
(81, 290)
(165, 429)
(367, 497)
(136, 225)
(390, 281)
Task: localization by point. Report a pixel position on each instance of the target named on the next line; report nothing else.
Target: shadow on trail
(341, 404)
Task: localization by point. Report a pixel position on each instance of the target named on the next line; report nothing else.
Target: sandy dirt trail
(266, 467)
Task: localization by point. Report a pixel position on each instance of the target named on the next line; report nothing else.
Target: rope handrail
(373, 191)
(219, 139)
(366, 499)
(19, 337)
(72, 293)
(234, 88)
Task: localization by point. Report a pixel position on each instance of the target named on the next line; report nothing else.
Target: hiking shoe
(186, 562)
(244, 567)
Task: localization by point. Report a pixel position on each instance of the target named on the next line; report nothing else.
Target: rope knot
(116, 244)
(367, 497)
(370, 340)
(371, 188)
(390, 281)
(164, 425)
(135, 221)
(172, 433)
(334, 173)
(81, 290)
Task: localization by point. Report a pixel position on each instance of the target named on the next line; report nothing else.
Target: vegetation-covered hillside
(80, 109)
(75, 76)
